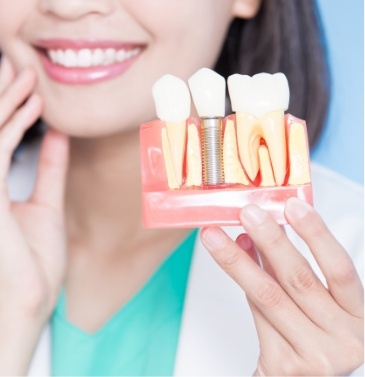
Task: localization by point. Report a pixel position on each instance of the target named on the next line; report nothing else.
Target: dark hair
(285, 36)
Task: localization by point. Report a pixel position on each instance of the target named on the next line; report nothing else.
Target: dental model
(259, 103)
(172, 100)
(200, 172)
(208, 90)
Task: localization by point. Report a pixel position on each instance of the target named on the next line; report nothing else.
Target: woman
(79, 236)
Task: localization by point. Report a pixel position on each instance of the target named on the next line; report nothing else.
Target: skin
(94, 242)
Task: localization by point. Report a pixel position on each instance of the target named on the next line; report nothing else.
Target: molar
(259, 103)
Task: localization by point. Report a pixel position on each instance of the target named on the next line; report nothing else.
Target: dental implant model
(209, 92)
(202, 171)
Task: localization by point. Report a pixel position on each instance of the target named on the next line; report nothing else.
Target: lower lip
(84, 76)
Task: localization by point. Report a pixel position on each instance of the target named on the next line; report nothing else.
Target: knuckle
(344, 273)
(275, 240)
(268, 295)
(354, 354)
(322, 366)
(291, 368)
(230, 260)
(34, 304)
(302, 280)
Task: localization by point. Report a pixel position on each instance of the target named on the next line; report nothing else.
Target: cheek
(185, 33)
(101, 110)
(13, 15)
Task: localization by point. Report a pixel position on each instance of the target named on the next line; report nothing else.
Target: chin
(86, 124)
(85, 120)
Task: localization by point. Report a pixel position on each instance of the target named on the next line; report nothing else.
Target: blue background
(341, 147)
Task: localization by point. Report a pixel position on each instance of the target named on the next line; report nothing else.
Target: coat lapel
(41, 363)
(218, 335)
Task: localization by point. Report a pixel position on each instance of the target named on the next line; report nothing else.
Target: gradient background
(341, 147)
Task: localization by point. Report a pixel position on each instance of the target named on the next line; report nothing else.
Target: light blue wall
(342, 145)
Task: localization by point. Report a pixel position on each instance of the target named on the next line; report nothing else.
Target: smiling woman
(123, 300)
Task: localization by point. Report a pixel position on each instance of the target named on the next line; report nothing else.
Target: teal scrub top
(140, 339)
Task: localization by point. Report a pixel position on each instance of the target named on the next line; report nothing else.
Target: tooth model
(208, 90)
(172, 100)
(259, 103)
(202, 171)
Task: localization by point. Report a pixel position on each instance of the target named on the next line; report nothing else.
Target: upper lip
(78, 44)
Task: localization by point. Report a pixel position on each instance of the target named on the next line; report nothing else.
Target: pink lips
(84, 76)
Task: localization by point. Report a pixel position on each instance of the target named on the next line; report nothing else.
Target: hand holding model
(304, 328)
(32, 239)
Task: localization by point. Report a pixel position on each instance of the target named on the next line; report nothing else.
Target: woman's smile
(83, 62)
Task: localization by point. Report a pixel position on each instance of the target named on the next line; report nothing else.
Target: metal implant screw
(212, 151)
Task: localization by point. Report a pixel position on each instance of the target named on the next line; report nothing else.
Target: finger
(7, 73)
(272, 344)
(342, 278)
(15, 94)
(291, 269)
(260, 288)
(245, 243)
(266, 263)
(52, 169)
(11, 135)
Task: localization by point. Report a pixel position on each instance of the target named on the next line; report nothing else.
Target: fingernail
(297, 209)
(253, 215)
(244, 242)
(214, 238)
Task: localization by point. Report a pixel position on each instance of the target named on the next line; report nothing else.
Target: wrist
(19, 335)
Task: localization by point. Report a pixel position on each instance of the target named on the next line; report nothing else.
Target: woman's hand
(32, 237)
(304, 329)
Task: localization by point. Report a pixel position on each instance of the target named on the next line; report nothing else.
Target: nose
(75, 9)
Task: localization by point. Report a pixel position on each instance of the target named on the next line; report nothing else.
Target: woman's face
(108, 53)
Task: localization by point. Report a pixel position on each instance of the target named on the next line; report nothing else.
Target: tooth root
(248, 135)
(176, 132)
(273, 131)
(233, 172)
(267, 176)
(170, 173)
(298, 155)
(194, 157)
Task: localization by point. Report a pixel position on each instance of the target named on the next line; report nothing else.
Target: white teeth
(84, 58)
(259, 94)
(121, 56)
(60, 56)
(87, 58)
(53, 56)
(110, 55)
(70, 58)
(172, 99)
(98, 57)
(208, 90)
(259, 103)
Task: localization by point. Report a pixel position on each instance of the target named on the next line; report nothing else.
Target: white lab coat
(218, 336)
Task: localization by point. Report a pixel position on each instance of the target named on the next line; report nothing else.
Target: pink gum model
(191, 207)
